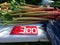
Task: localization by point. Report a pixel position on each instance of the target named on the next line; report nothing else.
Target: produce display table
(6, 37)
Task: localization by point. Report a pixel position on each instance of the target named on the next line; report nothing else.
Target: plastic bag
(53, 30)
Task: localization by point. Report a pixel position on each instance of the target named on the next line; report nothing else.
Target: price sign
(24, 30)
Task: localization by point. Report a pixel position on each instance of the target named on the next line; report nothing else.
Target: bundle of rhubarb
(14, 13)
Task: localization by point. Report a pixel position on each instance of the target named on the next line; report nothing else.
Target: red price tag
(25, 30)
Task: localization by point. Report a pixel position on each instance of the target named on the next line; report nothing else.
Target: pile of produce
(12, 12)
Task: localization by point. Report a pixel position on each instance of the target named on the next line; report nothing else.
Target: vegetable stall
(16, 12)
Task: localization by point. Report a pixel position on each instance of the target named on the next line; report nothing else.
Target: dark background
(27, 43)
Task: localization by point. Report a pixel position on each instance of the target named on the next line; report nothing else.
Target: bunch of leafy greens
(5, 17)
(56, 3)
(15, 4)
